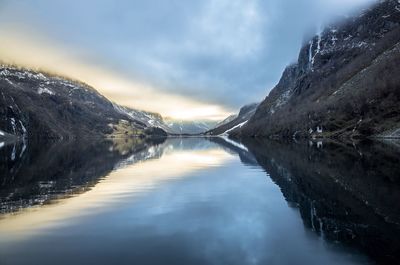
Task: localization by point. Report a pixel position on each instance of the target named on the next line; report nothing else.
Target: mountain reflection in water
(192, 201)
(346, 193)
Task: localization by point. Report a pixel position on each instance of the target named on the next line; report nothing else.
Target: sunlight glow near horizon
(38, 53)
(193, 60)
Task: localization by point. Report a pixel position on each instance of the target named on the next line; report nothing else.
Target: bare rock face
(37, 105)
(346, 82)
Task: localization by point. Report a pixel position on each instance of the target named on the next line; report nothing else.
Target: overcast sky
(199, 57)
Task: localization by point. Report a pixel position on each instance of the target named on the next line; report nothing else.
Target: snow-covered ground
(44, 90)
(233, 128)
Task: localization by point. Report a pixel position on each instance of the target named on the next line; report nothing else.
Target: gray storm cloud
(223, 53)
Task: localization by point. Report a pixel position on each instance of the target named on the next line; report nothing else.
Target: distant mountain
(234, 121)
(39, 105)
(188, 127)
(346, 83)
(150, 119)
(227, 120)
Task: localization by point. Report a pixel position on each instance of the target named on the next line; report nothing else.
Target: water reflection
(81, 189)
(199, 201)
(39, 173)
(346, 193)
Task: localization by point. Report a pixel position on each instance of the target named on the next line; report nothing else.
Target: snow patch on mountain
(147, 118)
(280, 101)
(15, 72)
(44, 90)
(240, 125)
(189, 127)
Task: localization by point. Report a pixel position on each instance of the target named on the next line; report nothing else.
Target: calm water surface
(199, 201)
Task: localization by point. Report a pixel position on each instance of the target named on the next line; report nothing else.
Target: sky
(187, 60)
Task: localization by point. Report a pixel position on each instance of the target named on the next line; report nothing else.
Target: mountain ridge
(345, 83)
(234, 121)
(40, 105)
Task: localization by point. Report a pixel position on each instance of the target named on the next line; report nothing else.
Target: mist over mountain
(238, 132)
(189, 127)
(345, 83)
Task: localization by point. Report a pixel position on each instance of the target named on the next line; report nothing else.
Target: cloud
(228, 28)
(42, 54)
(225, 53)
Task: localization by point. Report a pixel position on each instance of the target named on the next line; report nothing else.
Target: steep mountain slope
(228, 119)
(148, 118)
(346, 82)
(235, 121)
(37, 105)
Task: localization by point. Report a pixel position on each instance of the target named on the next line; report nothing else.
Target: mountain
(227, 120)
(345, 83)
(150, 119)
(40, 105)
(234, 121)
(188, 127)
(168, 125)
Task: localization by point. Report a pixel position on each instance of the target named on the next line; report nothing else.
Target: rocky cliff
(346, 82)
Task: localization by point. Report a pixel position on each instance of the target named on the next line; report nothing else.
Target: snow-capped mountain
(40, 105)
(148, 118)
(234, 121)
(346, 82)
(188, 127)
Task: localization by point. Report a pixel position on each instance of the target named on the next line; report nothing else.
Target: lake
(199, 201)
